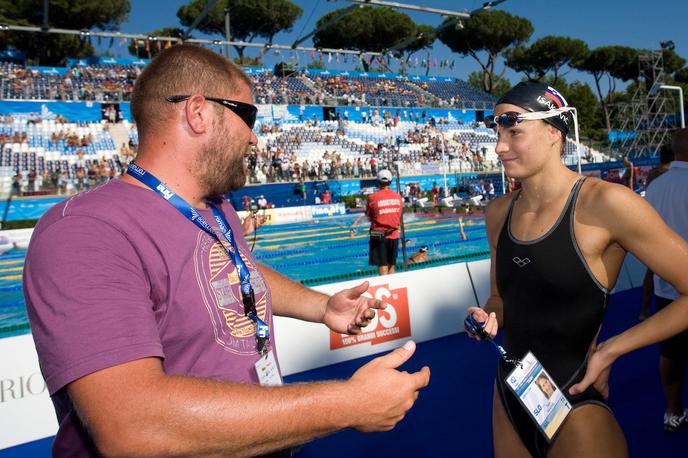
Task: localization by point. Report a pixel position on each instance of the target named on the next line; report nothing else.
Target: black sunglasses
(245, 111)
(508, 119)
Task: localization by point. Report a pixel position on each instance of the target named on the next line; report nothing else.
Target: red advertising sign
(390, 324)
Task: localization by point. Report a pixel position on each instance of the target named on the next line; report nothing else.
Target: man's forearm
(188, 416)
(292, 299)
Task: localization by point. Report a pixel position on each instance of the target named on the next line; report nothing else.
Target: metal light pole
(403, 231)
(229, 47)
(680, 101)
(444, 162)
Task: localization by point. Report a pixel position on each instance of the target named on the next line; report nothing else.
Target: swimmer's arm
(638, 228)
(346, 311)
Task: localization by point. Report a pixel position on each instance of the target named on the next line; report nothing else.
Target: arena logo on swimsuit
(393, 323)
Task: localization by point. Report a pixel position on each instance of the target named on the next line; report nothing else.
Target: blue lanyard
(247, 294)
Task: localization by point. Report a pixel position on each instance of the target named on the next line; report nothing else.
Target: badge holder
(534, 388)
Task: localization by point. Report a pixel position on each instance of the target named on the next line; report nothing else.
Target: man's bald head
(181, 70)
(680, 145)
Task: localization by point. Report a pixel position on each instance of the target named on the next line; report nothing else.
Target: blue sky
(634, 23)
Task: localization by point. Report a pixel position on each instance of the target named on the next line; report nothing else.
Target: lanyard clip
(249, 300)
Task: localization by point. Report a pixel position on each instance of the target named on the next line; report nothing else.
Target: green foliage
(619, 62)
(366, 29)
(249, 19)
(349, 201)
(477, 79)
(671, 61)
(548, 54)
(614, 62)
(52, 49)
(681, 75)
(425, 37)
(154, 47)
(316, 65)
(489, 31)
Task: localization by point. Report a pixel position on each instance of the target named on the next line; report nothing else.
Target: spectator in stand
(17, 185)
(384, 210)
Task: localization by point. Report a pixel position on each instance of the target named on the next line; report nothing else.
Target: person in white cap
(384, 210)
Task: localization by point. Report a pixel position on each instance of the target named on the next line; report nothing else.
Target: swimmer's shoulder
(496, 212)
(608, 203)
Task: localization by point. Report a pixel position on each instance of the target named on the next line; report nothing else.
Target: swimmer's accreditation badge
(539, 395)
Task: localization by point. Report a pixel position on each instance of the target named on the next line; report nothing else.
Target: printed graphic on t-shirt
(220, 288)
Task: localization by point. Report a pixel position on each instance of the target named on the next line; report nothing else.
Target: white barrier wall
(425, 304)
(26, 412)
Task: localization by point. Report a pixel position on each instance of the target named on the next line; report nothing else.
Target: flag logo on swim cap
(555, 96)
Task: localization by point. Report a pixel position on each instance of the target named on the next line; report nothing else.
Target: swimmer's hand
(597, 374)
(348, 311)
(490, 322)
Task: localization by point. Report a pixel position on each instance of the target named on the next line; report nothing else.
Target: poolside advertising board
(26, 412)
(423, 305)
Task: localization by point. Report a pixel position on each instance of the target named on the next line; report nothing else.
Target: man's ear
(197, 111)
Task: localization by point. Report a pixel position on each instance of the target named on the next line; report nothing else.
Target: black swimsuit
(553, 306)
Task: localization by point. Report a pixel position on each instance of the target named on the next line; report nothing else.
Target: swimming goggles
(511, 118)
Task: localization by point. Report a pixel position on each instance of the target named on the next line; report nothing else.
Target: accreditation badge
(539, 395)
(267, 370)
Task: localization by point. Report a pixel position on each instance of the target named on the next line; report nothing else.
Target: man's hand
(348, 311)
(385, 393)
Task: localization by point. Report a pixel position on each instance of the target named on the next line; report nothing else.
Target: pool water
(312, 252)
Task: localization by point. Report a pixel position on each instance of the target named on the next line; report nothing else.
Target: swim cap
(423, 249)
(535, 95)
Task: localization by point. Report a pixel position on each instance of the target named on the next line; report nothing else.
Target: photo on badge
(539, 395)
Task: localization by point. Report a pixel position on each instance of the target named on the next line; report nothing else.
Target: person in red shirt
(384, 210)
(435, 194)
(327, 197)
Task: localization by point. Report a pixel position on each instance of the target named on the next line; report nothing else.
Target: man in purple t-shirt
(146, 340)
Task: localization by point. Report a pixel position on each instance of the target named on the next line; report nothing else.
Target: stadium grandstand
(378, 118)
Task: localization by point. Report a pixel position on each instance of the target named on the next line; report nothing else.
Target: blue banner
(105, 60)
(389, 75)
(256, 70)
(50, 71)
(125, 111)
(13, 55)
(73, 111)
(356, 114)
(27, 209)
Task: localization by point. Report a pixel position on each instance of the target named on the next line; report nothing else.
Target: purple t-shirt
(117, 274)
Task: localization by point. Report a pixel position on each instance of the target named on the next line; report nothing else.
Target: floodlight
(667, 44)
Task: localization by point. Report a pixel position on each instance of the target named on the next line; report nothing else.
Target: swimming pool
(313, 252)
